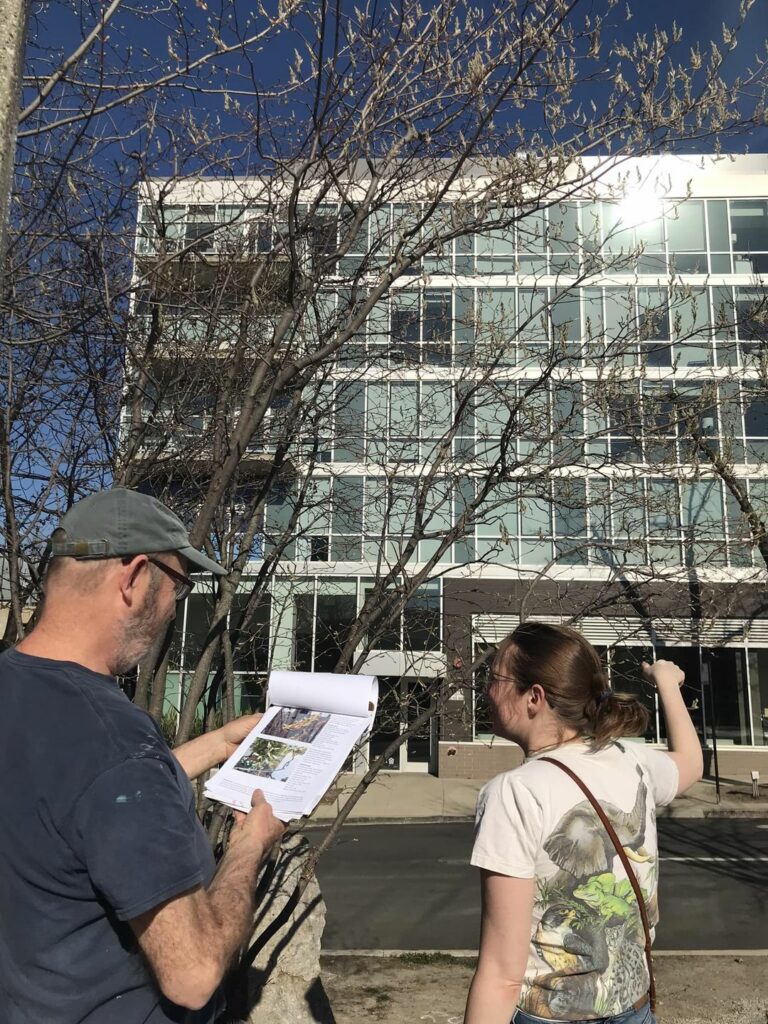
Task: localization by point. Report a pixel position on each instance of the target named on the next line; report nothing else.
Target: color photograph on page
(312, 723)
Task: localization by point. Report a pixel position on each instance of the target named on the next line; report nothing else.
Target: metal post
(706, 675)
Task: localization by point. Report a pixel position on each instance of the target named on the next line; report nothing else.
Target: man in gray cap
(111, 906)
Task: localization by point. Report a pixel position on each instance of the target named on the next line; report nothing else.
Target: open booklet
(312, 722)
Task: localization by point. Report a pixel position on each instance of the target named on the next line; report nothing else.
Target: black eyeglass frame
(183, 584)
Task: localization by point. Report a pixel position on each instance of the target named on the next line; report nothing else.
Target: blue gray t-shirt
(97, 825)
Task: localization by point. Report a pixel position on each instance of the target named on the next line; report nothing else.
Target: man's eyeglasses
(183, 585)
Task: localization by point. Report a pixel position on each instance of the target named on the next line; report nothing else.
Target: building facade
(561, 416)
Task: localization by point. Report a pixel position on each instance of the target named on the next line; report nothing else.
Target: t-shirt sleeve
(508, 828)
(136, 836)
(661, 771)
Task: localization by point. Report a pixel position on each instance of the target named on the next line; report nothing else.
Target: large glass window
(250, 637)
(690, 321)
(481, 712)
(564, 238)
(435, 417)
(404, 423)
(421, 619)
(497, 530)
(756, 422)
(496, 328)
(347, 522)
(628, 510)
(315, 521)
(726, 708)
(633, 236)
(626, 675)
(663, 500)
(653, 325)
(405, 327)
(406, 231)
(687, 234)
(495, 247)
(703, 519)
(323, 623)
(200, 235)
(719, 236)
(624, 421)
(751, 310)
(438, 327)
(565, 314)
(532, 242)
(570, 507)
(758, 686)
(350, 422)
(749, 234)
(620, 326)
(535, 527)
(280, 508)
(170, 225)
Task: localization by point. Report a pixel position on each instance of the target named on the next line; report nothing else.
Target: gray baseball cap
(111, 524)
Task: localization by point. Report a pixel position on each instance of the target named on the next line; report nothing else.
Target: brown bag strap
(627, 867)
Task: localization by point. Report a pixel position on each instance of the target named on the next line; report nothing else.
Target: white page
(324, 691)
(292, 755)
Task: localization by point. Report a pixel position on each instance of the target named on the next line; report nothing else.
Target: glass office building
(575, 397)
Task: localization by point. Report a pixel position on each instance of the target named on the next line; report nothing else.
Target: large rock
(284, 985)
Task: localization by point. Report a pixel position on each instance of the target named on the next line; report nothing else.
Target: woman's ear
(537, 698)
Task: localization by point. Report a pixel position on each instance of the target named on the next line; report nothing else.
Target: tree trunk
(283, 985)
(13, 24)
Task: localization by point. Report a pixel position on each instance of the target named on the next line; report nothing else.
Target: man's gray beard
(139, 634)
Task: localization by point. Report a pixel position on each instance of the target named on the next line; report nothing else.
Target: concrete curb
(471, 954)
(662, 812)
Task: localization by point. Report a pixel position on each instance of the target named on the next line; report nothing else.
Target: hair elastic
(602, 696)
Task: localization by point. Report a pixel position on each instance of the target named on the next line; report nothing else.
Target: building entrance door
(401, 700)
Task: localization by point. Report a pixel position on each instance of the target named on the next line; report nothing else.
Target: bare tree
(275, 317)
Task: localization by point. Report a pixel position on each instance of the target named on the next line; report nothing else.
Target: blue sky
(58, 25)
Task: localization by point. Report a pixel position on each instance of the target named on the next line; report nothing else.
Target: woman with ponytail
(562, 932)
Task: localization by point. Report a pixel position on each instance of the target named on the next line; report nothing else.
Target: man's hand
(233, 733)
(258, 824)
(663, 673)
(212, 748)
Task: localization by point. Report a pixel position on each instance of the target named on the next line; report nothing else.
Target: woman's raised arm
(682, 739)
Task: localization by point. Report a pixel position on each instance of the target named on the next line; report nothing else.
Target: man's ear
(129, 576)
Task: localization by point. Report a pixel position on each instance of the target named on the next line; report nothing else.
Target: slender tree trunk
(13, 24)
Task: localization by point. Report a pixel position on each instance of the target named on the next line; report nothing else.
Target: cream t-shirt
(586, 957)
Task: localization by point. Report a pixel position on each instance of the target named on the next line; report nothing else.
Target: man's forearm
(191, 940)
(201, 754)
(231, 899)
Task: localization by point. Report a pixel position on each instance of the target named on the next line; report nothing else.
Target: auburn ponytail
(619, 714)
(569, 670)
